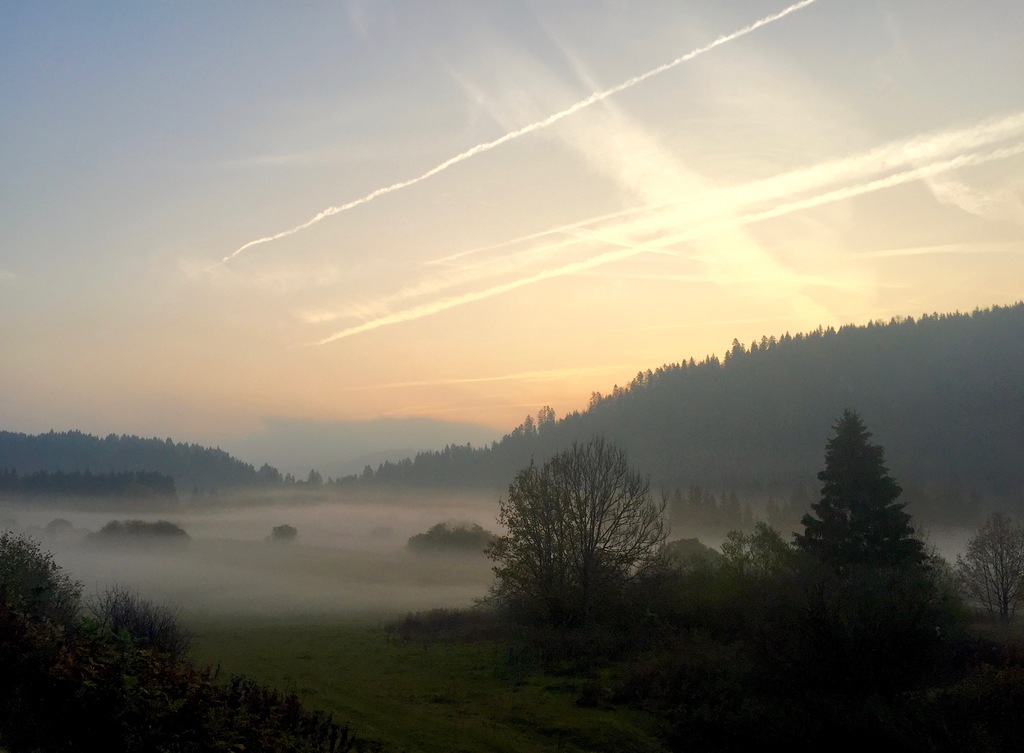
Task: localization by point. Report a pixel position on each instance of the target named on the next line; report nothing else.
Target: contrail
(839, 194)
(426, 309)
(927, 148)
(527, 129)
(920, 148)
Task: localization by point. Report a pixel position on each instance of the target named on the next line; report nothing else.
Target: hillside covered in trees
(944, 392)
(133, 484)
(55, 455)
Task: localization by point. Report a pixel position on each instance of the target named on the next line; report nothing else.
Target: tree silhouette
(579, 529)
(857, 521)
(992, 569)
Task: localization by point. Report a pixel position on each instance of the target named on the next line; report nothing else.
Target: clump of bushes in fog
(283, 534)
(452, 537)
(134, 530)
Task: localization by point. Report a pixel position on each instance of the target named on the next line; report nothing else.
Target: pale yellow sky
(559, 197)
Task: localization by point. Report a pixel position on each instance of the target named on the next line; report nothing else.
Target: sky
(221, 218)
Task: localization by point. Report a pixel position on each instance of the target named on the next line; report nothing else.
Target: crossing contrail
(628, 251)
(527, 129)
(919, 149)
(932, 150)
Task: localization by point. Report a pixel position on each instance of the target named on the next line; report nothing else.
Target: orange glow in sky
(514, 205)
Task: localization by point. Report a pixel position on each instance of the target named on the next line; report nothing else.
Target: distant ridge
(194, 468)
(944, 394)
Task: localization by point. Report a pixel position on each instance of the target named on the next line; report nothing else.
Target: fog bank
(349, 557)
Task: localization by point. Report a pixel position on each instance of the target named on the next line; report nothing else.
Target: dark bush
(134, 530)
(153, 625)
(283, 533)
(118, 682)
(32, 586)
(688, 552)
(452, 537)
(58, 527)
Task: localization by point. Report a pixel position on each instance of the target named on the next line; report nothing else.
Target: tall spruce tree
(857, 521)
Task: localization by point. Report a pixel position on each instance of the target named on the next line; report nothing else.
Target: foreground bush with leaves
(81, 683)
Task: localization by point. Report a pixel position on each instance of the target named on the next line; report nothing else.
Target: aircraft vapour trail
(919, 148)
(527, 129)
(426, 309)
(838, 194)
(727, 201)
(924, 148)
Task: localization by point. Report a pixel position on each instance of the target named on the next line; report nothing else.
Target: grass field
(452, 697)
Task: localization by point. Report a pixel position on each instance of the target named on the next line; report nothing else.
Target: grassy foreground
(416, 697)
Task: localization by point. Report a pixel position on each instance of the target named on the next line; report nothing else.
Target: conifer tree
(858, 521)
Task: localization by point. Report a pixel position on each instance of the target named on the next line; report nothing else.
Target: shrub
(58, 527)
(283, 533)
(119, 682)
(129, 530)
(690, 552)
(153, 625)
(460, 537)
(32, 586)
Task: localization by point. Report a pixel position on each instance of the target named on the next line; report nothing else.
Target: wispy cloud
(974, 249)
(997, 205)
(704, 324)
(550, 120)
(7, 276)
(543, 375)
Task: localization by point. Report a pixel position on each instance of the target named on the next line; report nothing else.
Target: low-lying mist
(349, 556)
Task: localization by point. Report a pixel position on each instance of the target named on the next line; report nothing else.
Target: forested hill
(193, 467)
(944, 394)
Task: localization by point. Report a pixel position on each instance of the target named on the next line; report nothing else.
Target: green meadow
(418, 696)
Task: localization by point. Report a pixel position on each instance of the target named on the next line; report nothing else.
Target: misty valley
(720, 555)
(348, 556)
(512, 377)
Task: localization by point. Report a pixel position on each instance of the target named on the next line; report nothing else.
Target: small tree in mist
(580, 528)
(992, 570)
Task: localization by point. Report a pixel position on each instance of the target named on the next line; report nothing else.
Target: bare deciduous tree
(992, 569)
(579, 528)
